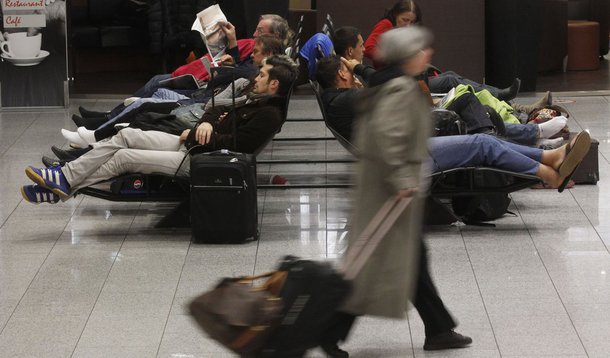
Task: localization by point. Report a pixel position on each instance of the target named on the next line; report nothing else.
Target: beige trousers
(130, 151)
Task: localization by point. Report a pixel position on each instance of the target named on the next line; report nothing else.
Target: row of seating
(163, 188)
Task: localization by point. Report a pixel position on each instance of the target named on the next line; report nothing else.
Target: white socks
(74, 138)
(82, 138)
(549, 143)
(87, 135)
(551, 127)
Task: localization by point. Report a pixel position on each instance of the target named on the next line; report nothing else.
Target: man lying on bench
(136, 151)
(554, 167)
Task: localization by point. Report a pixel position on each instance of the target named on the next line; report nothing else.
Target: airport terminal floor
(93, 278)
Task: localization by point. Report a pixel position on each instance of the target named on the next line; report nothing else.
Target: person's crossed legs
(130, 151)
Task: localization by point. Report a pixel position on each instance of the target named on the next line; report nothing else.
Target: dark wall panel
(513, 34)
(253, 9)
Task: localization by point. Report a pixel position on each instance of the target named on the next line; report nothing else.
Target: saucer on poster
(31, 61)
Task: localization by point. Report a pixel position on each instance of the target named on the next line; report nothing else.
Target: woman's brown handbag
(243, 317)
(239, 315)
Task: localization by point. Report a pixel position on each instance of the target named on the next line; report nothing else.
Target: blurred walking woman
(392, 129)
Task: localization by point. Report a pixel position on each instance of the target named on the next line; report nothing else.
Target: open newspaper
(208, 25)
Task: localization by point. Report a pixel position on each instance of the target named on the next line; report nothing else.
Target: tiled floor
(91, 278)
(596, 80)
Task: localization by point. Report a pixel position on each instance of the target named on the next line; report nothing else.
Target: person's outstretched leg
(482, 150)
(444, 82)
(552, 166)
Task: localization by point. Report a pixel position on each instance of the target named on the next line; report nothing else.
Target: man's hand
(226, 60)
(357, 83)
(184, 135)
(407, 193)
(204, 133)
(229, 31)
(350, 64)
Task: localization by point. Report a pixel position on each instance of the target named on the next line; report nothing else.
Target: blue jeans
(526, 134)
(160, 95)
(482, 150)
(151, 86)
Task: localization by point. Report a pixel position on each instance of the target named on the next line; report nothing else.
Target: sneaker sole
(27, 198)
(40, 181)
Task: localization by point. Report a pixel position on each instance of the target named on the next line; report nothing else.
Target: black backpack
(496, 120)
(486, 207)
(447, 122)
(312, 292)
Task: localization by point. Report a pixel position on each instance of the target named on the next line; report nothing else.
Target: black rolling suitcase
(223, 198)
(224, 208)
(289, 313)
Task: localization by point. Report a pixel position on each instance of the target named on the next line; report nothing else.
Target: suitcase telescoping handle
(362, 249)
(206, 64)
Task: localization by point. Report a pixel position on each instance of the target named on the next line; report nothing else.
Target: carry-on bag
(287, 314)
(224, 208)
(223, 198)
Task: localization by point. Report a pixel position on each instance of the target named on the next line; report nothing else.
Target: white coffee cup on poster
(20, 45)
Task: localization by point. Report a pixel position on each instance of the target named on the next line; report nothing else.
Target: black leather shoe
(333, 350)
(89, 123)
(446, 340)
(70, 154)
(85, 113)
(52, 162)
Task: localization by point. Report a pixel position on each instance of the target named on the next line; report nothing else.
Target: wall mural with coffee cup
(33, 53)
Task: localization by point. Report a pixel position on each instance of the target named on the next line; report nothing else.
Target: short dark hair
(345, 37)
(403, 6)
(284, 70)
(270, 44)
(326, 72)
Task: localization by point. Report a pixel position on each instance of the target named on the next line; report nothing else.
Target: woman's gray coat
(392, 130)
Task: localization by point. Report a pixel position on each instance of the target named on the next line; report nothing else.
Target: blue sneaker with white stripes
(37, 194)
(51, 178)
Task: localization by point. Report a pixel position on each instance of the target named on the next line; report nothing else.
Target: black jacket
(257, 122)
(339, 103)
(339, 107)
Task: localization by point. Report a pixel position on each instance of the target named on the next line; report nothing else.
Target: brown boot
(546, 100)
